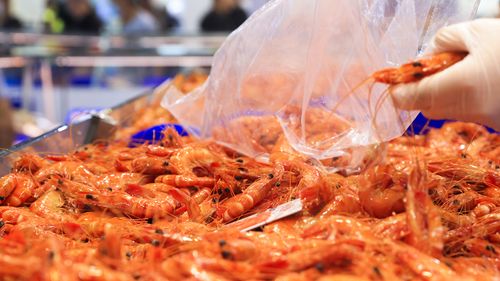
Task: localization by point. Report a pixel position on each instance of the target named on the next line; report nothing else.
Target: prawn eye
(226, 255)
(417, 64)
(418, 75)
(491, 249)
(87, 208)
(319, 267)
(377, 271)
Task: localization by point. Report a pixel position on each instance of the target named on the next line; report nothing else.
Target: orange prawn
(30, 163)
(185, 181)
(381, 191)
(254, 194)
(418, 69)
(16, 189)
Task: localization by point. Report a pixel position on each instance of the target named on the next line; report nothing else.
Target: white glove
(468, 90)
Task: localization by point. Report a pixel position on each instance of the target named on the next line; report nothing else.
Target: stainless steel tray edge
(66, 138)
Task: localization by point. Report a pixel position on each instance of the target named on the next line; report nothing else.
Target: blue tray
(21, 138)
(421, 125)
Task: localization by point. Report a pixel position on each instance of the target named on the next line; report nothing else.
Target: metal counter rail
(110, 41)
(133, 61)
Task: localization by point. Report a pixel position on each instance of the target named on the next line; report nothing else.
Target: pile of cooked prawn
(107, 211)
(110, 211)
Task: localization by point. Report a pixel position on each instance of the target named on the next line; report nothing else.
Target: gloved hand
(468, 90)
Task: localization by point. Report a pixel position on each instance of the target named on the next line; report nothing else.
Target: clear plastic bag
(297, 67)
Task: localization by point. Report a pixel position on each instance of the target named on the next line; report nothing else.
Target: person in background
(51, 20)
(7, 134)
(7, 21)
(136, 20)
(78, 16)
(165, 20)
(226, 15)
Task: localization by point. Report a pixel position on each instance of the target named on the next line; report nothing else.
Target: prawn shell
(419, 69)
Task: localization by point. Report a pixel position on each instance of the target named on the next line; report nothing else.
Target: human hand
(468, 90)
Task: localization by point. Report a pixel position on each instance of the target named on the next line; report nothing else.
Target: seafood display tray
(65, 138)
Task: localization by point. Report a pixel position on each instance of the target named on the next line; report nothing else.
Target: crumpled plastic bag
(299, 68)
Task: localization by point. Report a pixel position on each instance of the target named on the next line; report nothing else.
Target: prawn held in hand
(418, 69)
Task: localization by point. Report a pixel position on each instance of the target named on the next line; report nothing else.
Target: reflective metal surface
(35, 45)
(99, 126)
(59, 140)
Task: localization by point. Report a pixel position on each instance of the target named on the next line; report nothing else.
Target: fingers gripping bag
(295, 74)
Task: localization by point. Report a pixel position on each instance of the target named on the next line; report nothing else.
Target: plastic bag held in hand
(292, 72)
(470, 89)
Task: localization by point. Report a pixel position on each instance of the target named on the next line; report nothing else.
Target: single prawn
(29, 163)
(134, 200)
(17, 215)
(93, 225)
(188, 159)
(309, 255)
(73, 170)
(185, 181)
(237, 205)
(381, 191)
(116, 181)
(50, 206)
(424, 266)
(418, 69)
(22, 189)
(426, 231)
(311, 188)
(172, 139)
(7, 184)
(345, 199)
(336, 228)
(150, 165)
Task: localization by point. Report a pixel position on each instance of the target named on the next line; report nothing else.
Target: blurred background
(62, 58)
